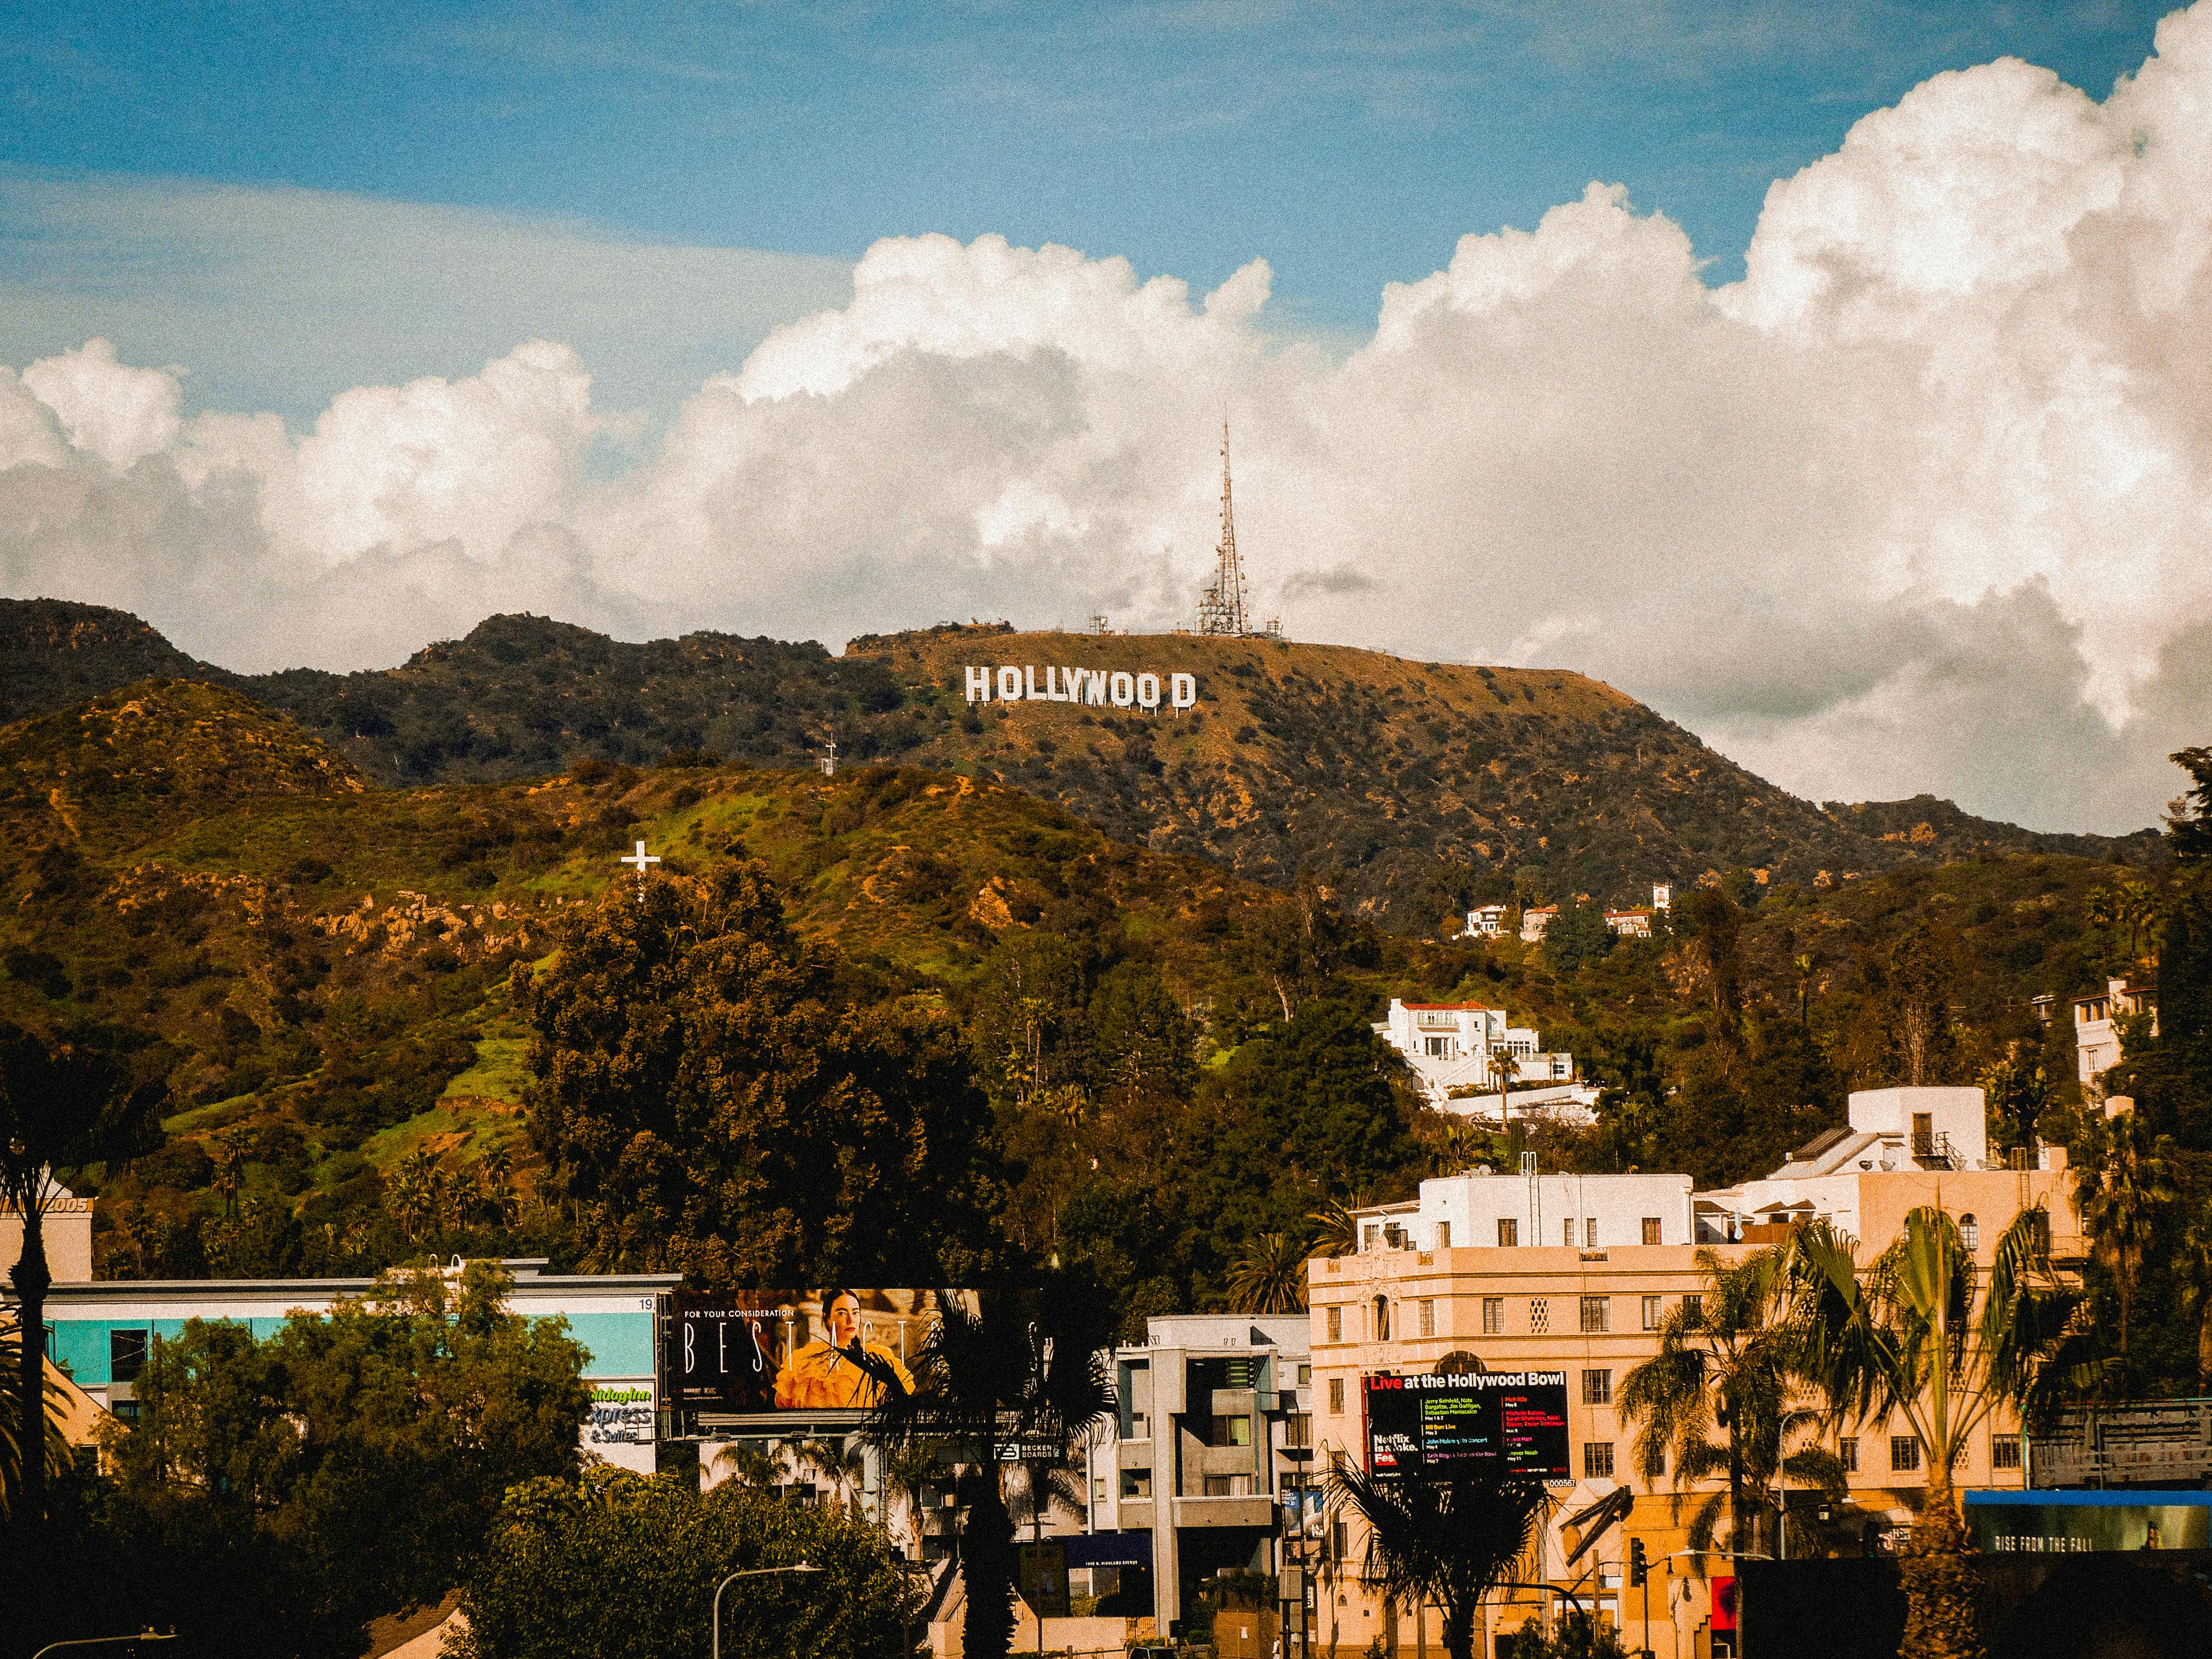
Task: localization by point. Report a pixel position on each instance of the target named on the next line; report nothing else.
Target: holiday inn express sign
(1097, 687)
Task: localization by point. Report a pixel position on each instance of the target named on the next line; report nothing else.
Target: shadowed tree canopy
(715, 1104)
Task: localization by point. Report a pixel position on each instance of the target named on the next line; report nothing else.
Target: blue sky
(721, 164)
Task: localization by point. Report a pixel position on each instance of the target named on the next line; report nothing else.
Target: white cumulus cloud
(1923, 503)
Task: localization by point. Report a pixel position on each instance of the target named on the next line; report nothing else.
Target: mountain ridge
(1413, 785)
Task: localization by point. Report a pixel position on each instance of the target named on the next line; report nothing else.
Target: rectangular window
(1336, 1396)
(1597, 1459)
(1305, 1377)
(1338, 1534)
(1589, 1232)
(1509, 1232)
(1232, 1431)
(1904, 1453)
(1136, 1483)
(1596, 1314)
(1651, 1312)
(1493, 1316)
(1597, 1387)
(1334, 1317)
(1444, 1235)
(1694, 1311)
(1567, 1230)
(1098, 1489)
(1297, 1429)
(1439, 1047)
(1428, 1318)
(1847, 1453)
(126, 1355)
(1651, 1229)
(1216, 1485)
(125, 1411)
(2004, 1451)
(1368, 1236)
(1539, 1316)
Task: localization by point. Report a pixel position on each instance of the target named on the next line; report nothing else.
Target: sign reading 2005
(1098, 687)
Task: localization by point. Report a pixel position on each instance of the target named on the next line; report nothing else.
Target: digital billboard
(1440, 1426)
(771, 1351)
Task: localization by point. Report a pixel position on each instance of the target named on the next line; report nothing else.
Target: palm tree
(60, 1104)
(1270, 1277)
(56, 1415)
(1018, 1372)
(2194, 1267)
(1904, 1338)
(1501, 1068)
(1447, 1542)
(1726, 1361)
(1336, 1229)
(2121, 1183)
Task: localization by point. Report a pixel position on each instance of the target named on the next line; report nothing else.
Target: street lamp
(748, 1572)
(98, 1641)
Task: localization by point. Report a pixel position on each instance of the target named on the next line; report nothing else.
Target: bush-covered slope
(1412, 780)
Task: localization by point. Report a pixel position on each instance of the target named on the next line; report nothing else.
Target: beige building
(67, 1229)
(1594, 1312)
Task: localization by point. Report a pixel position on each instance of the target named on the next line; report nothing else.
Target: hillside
(1413, 780)
(320, 969)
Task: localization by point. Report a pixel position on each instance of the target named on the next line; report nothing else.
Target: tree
(61, 1105)
(1716, 954)
(1270, 1278)
(1578, 934)
(1904, 1338)
(714, 1103)
(623, 1566)
(368, 1451)
(1448, 1543)
(2189, 818)
(1726, 1361)
(2122, 1181)
(53, 1444)
(1019, 1369)
(1917, 1007)
(2019, 1092)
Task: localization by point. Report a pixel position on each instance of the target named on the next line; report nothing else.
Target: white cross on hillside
(640, 858)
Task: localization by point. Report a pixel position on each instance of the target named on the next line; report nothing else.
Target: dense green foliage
(714, 1102)
(617, 1566)
(275, 1497)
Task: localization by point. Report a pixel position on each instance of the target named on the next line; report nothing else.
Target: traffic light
(1638, 1569)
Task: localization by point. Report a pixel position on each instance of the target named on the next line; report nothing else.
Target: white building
(1535, 920)
(1449, 1046)
(1939, 1132)
(2097, 1028)
(1482, 1209)
(1630, 924)
(1485, 922)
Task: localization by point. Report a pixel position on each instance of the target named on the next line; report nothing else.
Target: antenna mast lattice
(1221, 607)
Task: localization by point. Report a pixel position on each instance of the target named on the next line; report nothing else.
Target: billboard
(2088, 1522)
(1440, 1426)
(771, 1351)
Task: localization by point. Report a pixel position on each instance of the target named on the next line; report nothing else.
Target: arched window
(1382, 1318)
(1969, 1232)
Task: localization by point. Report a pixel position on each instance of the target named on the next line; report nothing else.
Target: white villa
(1449, 1046)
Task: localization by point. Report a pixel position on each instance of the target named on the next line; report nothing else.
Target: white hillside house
(1465, 1048)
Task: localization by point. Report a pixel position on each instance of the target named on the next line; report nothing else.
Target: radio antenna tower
(1221, 607)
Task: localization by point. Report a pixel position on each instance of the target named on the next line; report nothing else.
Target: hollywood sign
(1095, 686)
